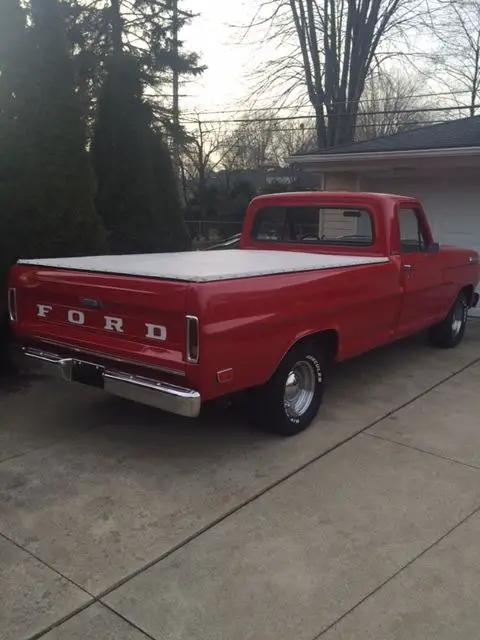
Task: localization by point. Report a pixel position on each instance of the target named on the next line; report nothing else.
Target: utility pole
(176, 105)
(176, 102)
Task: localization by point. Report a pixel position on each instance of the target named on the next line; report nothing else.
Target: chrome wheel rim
(458, 320)
(299, 389)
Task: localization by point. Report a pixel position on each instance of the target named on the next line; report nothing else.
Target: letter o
(76, 317)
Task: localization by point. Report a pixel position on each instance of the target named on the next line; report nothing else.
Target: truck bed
(205, 266)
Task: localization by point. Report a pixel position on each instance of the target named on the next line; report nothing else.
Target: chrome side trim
(97, 354)
(168, 397)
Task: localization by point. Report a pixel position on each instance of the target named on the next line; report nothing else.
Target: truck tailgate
(140, 320)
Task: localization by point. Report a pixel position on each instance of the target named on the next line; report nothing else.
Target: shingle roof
(446, 135)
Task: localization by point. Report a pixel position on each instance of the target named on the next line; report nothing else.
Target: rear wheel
(290, 400)
(449, 333)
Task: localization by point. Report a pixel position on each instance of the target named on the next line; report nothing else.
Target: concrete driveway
(117, 521)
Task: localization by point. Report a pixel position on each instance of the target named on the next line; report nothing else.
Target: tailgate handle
(91, 303)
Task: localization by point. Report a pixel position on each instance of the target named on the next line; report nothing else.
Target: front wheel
(449, 333)
(290, 400)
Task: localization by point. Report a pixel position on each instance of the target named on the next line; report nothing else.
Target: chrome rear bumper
(161, 395)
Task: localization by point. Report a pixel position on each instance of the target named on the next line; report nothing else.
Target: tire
(288, 403)
(449, 333)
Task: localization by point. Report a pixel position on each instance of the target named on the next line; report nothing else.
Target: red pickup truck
(318, 277)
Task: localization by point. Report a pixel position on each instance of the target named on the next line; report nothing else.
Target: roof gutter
(337, 158)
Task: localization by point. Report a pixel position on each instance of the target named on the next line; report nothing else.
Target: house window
(412, 237)
(311, 225)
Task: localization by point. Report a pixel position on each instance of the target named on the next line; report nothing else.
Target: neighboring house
(258, 178)
(438, 164)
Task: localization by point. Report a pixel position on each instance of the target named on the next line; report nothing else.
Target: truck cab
(367, 224)
(339, 222)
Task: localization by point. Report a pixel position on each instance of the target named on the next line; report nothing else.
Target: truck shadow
(360, 374)
(371, 381)
(126, 433)
(13, 379)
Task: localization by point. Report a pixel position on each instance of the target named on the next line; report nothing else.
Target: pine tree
(146, 28)
(61, 175)
(14, 98)
(136, 197)
(167, 198)
(47, 191)
(14, 56)
(13, 67)
(122, 160)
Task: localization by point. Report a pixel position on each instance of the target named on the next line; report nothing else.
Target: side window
(412, 239)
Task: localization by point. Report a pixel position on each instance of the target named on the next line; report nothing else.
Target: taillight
(193, 340)
(12, 305)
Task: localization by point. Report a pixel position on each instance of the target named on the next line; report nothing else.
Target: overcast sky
(224, 84)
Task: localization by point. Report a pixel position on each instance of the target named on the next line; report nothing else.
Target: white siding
(452, 207)
(334, 224)
(341, 181)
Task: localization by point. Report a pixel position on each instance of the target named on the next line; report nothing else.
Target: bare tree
(456, 27)
(205, 151)
(389, 105)
(252, 141)
(260, 140)
(294, 138)
(330, 48)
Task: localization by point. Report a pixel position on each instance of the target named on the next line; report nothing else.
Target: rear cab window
(313, 225)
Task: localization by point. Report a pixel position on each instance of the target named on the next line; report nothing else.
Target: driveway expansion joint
(397, 573)
(425, 451)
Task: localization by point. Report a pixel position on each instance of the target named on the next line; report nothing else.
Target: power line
(371, 125)
(358, 127)
(331, 104)
(384, 112)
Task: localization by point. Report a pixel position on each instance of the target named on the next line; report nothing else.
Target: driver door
(420, 272)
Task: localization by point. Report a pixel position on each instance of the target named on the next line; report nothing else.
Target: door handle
(408, 267)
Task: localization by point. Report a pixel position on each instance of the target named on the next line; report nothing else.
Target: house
(261, 177)
(439, 164)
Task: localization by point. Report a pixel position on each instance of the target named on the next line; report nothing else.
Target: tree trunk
(321, 128)
(116, 25)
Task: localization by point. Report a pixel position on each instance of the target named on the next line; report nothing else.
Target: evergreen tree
(46, 194)
(14, 56)
(145, 29)
(167, 198)
(136, 195)
(13, 67)
(121, 159)
(61, 176)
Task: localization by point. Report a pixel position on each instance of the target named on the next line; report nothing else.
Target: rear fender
(327, 340)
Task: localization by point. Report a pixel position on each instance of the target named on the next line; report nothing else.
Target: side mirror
(434, 247)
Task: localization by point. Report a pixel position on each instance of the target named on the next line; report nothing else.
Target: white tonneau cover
(207, 266)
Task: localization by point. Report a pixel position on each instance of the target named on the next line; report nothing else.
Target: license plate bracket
(88, 374)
